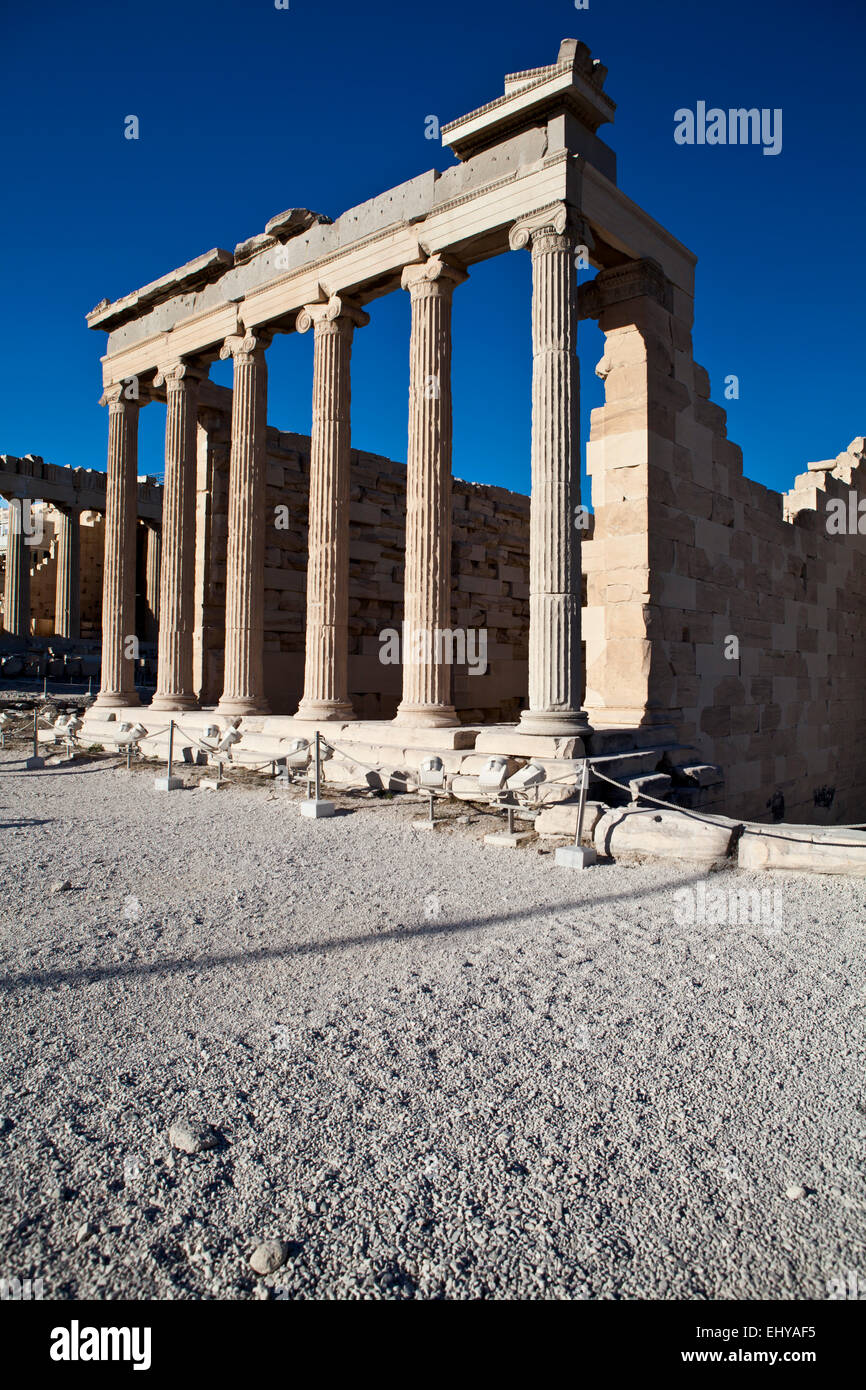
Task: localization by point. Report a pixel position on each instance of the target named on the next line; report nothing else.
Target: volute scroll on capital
(435, 271)
(175, 372)
(557, 219)
(117, 396)
(336, 310)
(245, 344)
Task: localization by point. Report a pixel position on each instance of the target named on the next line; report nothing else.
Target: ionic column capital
(178, 374)
(117, 399)
(244, 346)
(336, 315)
(436, 275)
(550, 228)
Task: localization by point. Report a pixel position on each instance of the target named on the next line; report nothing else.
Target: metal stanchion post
(169, 783)
(578, 856)
(316, 808)
(34, 762)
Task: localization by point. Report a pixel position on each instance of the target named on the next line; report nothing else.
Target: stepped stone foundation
(703, 639)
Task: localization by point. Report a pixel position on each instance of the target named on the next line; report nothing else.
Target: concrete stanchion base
(317, 810)
(168, 784)
(34, 764)
(509, 840)
(575, 856)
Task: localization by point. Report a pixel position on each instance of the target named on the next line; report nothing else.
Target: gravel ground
(434, 1069)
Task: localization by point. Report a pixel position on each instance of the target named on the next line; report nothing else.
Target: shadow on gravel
(87, 767)
(47, 979)
(22, 824)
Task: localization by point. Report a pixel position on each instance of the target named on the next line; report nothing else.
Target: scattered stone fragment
(794, 1194)
(268, 1256)
(61, 885)
(192, 1136)
(85, 1232)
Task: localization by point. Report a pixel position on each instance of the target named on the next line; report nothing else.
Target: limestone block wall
(716, 604)
(92, 557)
(43, 576)
(490, 577)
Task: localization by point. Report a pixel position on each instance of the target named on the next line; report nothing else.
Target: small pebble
(795, 1193)
(61, 885)
(191, 1136)
(268, 1256)
(84, 1232)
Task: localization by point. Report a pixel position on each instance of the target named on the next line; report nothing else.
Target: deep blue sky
(246, 110)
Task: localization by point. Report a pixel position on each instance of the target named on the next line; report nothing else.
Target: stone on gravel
(192, 1136)
(663, 835)
(794, 1194)
(61, 885)
(561, 819)
(808, 848)
(268, 1256)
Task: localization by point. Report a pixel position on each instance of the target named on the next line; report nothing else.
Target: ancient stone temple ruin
(719, 644)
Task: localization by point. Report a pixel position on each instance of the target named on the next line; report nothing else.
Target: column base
(559, 723)
(233, 709)
(116, 699)
(170, 702)
(325, 711)
(427, 716)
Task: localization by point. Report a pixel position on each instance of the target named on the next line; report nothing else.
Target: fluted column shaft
(174, 681)
(152, 567)
(118, 585)
(67, 595)
(427, 608)
(243, 687)
(16, 593)
(326, 667)
(555, 661)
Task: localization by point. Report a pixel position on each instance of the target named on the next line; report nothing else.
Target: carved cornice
(436, 272)
(337, 313)
(636, 280)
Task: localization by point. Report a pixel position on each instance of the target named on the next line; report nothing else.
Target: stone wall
(490, 577)
(715, 604)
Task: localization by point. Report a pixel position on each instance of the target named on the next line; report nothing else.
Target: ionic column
(67, 595)
(174, 680)
(555, 663)
(16, 594)
(118, 583)
(152, 567)
(243, 687)
(427, 607)
(326, 667)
